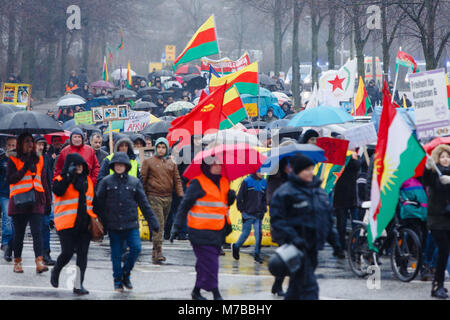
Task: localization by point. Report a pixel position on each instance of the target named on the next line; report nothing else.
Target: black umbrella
(6, 109)
(256, 125)
(149, 90)
(124, 92)
(85, 127)
(163, 73)
(195, 81)
(144, 106)
(265, 80)
(167, 118)
(28, 122)
(288, 132)
(161, 127)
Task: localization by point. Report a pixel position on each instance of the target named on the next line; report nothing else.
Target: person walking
(73, 193)
(300, 214)
(160, 177)
(117, 198)
(251, 202)
(29, 195)
(77, 146)
(96, 141)
(206, 204)
(438, 215)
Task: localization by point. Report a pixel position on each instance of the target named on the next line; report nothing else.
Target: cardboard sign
(429, 96)
(84, 117)
(137, 121)
(361, 135)
(335, 149)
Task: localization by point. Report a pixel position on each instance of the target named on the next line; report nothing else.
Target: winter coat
(300, 214)
(345, 188)
(101, 155)
(119, 196)
(86, 152)
(374, 94)
(273, 183)
(104, 169)
(438, 193)
(413, 200)
(251, 198)
(4, 185)
(43, 199)
(160, 174)
(200, 237)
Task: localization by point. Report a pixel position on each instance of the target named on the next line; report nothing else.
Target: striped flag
(331, 173)
(105, 70)
(129, 78)
(246, 80)
(448, 90)
(362, 100)
(405, 60)
(233, 109)
(203, 43)
(121, 45)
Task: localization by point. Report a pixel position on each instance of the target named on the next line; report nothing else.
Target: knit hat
(308, 135)
(300, 162)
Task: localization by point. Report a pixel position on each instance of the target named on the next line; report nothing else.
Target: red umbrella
(64, 136)
(188, 69)
(237, 160)
(435, 142)
(101, 84)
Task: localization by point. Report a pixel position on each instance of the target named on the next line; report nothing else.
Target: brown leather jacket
(160, 176)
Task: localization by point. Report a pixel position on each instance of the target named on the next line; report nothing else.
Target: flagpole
(396, 78)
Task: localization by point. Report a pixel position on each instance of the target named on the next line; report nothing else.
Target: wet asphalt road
(238, 280)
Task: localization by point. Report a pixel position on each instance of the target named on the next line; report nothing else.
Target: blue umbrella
(266, 100)
(277, 124)
(320, 116)
(275, 155)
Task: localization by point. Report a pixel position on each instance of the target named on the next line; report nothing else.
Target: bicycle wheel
(358, 253)
(406, 255)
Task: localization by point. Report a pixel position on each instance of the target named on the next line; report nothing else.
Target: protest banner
(17, 94)
(136, 121)
(429, 96)
(335, 149)
(360, 136)
(225, 65)
(84, 117)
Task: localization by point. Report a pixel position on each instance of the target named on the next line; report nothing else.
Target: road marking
(50, 288)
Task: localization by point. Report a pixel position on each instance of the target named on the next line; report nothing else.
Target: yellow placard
(252, 109)
(144, 230)
(154, 65)
(18, 94)
(170, 53)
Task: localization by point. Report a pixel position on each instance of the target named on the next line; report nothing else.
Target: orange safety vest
(210, 211)
(29, 180)
(71, 88)
(66, 207)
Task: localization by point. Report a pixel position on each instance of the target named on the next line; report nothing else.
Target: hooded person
(270, 116)
(122, 145)
(117, 198)
(77, 145)
(160, 177)
(310, 136)
(73, 192)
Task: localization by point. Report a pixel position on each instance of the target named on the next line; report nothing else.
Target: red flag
(205, 116)
(335, 149)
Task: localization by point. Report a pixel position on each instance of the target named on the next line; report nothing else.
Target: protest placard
(84, 117)
(360, 136)
(335, 149)
(18, 94)
(136, 121)
(429, 96)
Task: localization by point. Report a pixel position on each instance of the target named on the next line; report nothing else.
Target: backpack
(413, 200)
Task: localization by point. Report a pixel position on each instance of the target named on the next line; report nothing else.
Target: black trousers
(303, 284)
(442, 239)
(72, 240)
(20, 222)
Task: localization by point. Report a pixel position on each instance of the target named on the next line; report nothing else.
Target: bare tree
(298, 6)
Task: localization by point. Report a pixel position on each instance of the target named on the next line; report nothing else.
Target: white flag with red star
(340, 84)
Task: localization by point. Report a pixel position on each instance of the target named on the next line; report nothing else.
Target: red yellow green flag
(406, 60)
(362, 100)
(105, 70)
(203, 43)
(246, 80)
(233, 109)
(129, 78)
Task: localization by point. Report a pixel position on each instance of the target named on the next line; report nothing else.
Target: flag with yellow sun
(397, 156)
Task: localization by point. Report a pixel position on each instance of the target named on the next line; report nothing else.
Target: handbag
(24, 199)
(96, 230)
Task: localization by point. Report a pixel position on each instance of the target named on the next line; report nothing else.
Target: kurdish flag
(397, 156)
(233, 110)
(405, 60)
(331, 173)
(362, 100)
(203, 43)
(129, 78)
(246, 80)
(105, 70)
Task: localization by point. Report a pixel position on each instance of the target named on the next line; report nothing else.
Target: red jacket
(88, 155)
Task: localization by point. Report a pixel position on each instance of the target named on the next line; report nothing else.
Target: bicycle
(399, 242)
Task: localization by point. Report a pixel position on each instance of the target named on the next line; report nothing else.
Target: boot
(258, 258)
(235, 251)
(8, 253)
(118, 286)
(438, 290)
(81, 291)
(158, 255)
(154, 255)
(54, 278)
(18, 265)
(48, 261)
(126, 281)
(195, 294)
(216, 294)
(40, 267)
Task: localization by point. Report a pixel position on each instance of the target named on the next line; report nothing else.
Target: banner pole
(396, 78)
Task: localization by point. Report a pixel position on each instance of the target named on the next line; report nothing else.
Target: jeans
(45, 228)
(7, 225)
(430, 252)
(341, 222)
(20, 222)
(247, 228)
(116, 240)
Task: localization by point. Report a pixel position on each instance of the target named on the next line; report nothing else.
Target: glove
(444, 179)
(231, 197)
(299, 243)
(71, 171)
(429, 164)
